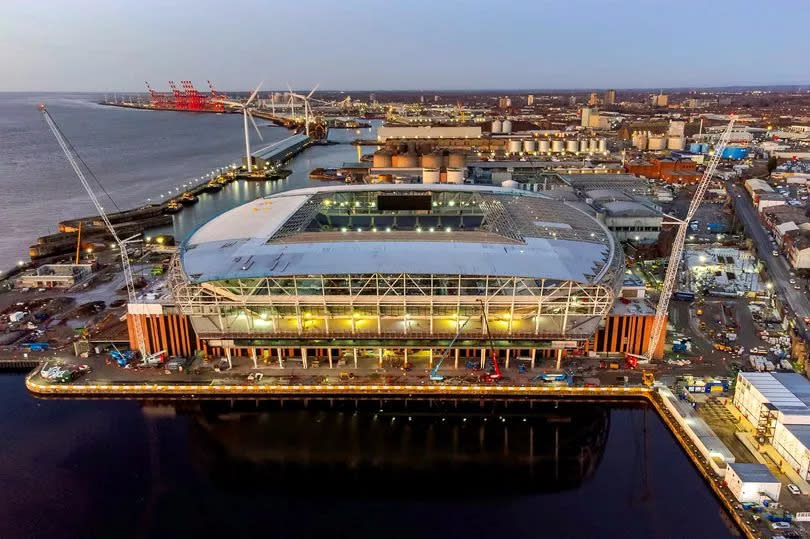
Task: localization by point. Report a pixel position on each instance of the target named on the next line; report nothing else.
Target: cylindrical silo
(657, 142)
(455, 175)
(456, 160)
(507, 126)
(640, 141)
(571, 146)
(405, 160)
(544, 146)
(432, 160)
(381, 159)
(530, 146)
(430, 175)
(602, 145)
(593, 145)
(557, 145)
(497, 127)
(583, 145)
(515, 146)
(675, 143)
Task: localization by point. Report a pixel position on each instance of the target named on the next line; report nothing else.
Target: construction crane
(493, 354)
(668, 284)
(122, 244)
(434, 373)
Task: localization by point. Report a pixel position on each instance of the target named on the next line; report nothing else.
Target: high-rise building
(572, 100)
(530, 99)
(660, 100)
(610, 97)
(593, 99)
(586, 116)
(504, 102)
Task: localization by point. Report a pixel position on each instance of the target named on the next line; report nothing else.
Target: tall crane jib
(122, 244)
(668, 284)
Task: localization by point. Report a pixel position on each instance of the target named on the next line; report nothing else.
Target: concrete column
(380, 355)
(304, 357)
(280, 362)
(559, 358)
(253, 355)
(354, 352)
(506, 364)
(405, 361)
(329, 355)
(430, 358)
(458, 350)
(483, 357)
(534, 355)
(228, 356)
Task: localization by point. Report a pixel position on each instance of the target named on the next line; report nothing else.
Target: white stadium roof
(531, 236)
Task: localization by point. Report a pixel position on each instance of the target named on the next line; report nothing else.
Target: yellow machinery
(647, 378)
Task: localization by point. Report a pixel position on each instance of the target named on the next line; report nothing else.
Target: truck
(37, 346)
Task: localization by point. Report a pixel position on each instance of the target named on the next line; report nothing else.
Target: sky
(116, 45)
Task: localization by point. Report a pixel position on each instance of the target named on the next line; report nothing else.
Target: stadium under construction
(391, 275)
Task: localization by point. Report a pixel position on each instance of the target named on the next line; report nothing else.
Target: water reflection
(397, 446)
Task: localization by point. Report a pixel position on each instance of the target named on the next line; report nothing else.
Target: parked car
(775, 252)
(780, 525)
(793, 489)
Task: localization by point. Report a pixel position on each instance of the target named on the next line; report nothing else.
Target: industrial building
(778, 405)
(629, 218)
(54, 276)
(427, 132)
(277, 153)
(752, 482)
(372, 274)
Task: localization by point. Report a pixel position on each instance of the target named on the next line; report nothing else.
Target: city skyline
(365, 46)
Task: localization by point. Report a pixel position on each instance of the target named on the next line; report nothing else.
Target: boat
(173, 207)
(212, 187)
(223, 180)
(187, 199)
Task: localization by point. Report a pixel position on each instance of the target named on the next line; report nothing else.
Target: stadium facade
(387, 274)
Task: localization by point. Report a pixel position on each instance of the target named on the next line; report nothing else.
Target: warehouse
(427, 132)
(778, 405)
(752, 482)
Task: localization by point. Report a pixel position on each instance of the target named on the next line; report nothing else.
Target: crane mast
(668, 284)
(122, 247)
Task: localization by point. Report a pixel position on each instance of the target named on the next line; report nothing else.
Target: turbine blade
(253, 95)
(256, 127)
(313, 90)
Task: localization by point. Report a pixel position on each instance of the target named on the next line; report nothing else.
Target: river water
(366, 469)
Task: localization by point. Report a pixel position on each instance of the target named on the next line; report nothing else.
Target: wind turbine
(307, 108)
(246, 114)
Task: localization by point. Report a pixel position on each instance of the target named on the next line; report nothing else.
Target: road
(778, 267)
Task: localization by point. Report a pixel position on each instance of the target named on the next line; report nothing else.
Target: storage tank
(543, 146)
(456, 160)
(497, 127)
(675, 143)
(734, 152)
(455, 175)
(640, 141)
(557, 146)
(515, 146)
(432, 160)
(381, 159)
(593, 145)
(583, 146)
(657, 142)
(507, 126)
(430, 175)
(571, 146)
(405, 160)
(602, 145)
(530, 146)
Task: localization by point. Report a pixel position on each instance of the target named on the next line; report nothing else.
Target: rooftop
(753, 472)
(786, 391)
(399, 228)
